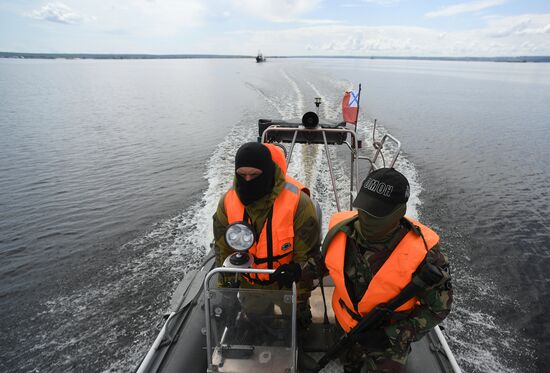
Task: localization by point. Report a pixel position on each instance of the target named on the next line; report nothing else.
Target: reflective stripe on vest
(387, 283)
(282, 229)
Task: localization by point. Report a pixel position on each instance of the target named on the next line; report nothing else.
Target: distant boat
(260, 58)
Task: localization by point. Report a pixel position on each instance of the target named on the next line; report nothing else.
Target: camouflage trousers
(359, 360)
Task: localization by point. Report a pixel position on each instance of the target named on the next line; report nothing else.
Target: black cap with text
(382, 191)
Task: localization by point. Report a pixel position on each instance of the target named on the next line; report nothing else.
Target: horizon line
(38, 55)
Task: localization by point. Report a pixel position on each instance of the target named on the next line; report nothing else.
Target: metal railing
(323, 130)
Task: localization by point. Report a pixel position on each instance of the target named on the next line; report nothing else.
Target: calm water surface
(110, 172)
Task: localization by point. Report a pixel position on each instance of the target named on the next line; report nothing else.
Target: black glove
(286, 274)
(430, 274)
(376, 340)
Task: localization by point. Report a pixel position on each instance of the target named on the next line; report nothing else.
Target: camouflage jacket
(362, 263)
(306, 232)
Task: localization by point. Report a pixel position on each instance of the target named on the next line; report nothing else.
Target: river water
(110, 172)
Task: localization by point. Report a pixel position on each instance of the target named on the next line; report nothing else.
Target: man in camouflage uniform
(258, 204)
(370, 240)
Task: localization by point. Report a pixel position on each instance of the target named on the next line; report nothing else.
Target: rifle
(428, 275)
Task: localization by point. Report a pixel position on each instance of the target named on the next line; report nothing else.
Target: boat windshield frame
(353, 146)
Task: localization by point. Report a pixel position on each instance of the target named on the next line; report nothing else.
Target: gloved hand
(431, 274)
(376, 340)
(286, 274)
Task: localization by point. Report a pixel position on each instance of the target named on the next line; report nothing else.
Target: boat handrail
(324, 130)
(380, 145)
(454, 365)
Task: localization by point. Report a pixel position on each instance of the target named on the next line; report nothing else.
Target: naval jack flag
(350, 106)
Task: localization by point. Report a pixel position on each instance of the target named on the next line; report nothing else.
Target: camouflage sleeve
(220, 223)
(306, 243)
(435, 305)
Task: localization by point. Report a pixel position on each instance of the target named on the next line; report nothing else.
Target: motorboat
(212, 329)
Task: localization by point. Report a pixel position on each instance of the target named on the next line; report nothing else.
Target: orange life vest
(278, 156)
(387, 283)
(280, 226)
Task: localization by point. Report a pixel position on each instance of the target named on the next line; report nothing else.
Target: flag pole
(358, 101)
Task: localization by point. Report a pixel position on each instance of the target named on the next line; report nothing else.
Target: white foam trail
(267, 98)
(295, 104)
(403, 165)
(220, 173)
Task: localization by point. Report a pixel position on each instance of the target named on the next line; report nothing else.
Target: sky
(485, 28)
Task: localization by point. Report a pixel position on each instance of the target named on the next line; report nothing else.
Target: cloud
(337, 40)
(472, 6)
(515, 28)
(57, 12)
(275, 10)
(527, 25)
(278, 27)
(147, 19)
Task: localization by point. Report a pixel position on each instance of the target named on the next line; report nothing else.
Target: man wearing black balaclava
(254, 171)
(372, 254)
(283, 218)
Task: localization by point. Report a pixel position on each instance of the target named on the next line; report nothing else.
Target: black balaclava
(254, 154)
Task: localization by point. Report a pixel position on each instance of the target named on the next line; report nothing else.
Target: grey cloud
(513, 29)
(536, 31)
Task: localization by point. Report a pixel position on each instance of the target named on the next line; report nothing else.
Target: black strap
(351, 312)
(270, 259)
(325, 314)
(246, 219)
(275, 258)
(416, 229)
(269, 238)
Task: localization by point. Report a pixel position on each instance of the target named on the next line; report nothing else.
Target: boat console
(249, 330)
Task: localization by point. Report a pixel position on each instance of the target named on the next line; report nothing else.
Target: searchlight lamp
(240, 237)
